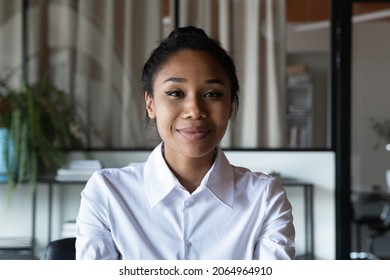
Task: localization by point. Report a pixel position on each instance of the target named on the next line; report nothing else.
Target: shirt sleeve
(93, 236)
(276, 239)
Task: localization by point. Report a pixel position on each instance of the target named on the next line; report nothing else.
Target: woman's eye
(174, 93)
(213, 94)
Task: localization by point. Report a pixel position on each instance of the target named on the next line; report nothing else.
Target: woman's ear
(149, 105)
(231, 110)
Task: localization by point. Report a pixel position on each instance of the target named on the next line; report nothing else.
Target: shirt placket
(187, 244)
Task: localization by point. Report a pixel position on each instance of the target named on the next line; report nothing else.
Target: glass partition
(370, 130)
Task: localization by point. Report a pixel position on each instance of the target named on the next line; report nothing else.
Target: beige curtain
(10, 40)
(253, 32)
(95, 50)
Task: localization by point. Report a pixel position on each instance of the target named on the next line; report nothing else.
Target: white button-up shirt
(143, 212)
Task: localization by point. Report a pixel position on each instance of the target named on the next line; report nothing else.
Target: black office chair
(373, 212)
(61, 249)
(379, 228)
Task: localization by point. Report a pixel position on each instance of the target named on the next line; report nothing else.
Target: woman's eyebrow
(176, 80)
(215, 81)
(183, 80)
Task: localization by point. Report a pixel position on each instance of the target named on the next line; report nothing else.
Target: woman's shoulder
(241, 171)
(119, 175)
(260, 180)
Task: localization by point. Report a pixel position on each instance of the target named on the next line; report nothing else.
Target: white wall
(370, 98)
(309, 40)
(315, 167)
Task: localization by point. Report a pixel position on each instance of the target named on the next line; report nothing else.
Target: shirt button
(187, 203)
(188, 243)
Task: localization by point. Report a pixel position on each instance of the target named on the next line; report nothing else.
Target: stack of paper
(78, 170)
(85, 164)
(297, 74)
(15, 242)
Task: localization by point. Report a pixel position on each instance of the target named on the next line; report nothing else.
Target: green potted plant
(381, 127)
(40, 122)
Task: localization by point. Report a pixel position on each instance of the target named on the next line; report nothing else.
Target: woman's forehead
(193, 62)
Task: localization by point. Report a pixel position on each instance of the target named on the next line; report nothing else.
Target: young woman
(186, 201)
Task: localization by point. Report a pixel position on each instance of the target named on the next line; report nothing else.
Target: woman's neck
(190, 171)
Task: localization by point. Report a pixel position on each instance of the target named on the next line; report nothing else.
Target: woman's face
(191, 104)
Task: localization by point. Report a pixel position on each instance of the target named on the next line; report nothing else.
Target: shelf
(299, 114)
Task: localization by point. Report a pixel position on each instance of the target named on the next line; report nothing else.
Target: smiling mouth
(194, 133)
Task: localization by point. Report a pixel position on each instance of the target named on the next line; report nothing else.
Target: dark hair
(191, 38)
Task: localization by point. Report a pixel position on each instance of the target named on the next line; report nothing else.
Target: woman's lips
(194, 133)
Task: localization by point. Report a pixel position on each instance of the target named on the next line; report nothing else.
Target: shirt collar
(220, 179)
(160, 180)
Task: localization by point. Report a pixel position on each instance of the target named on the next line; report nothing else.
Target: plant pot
(5, 141)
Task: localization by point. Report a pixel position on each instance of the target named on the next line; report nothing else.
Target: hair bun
(188, 31)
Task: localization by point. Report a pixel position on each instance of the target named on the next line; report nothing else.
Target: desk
(309, 215)
(370, 196)
(50, 201)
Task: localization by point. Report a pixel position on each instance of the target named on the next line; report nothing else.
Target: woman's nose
(194, 108)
